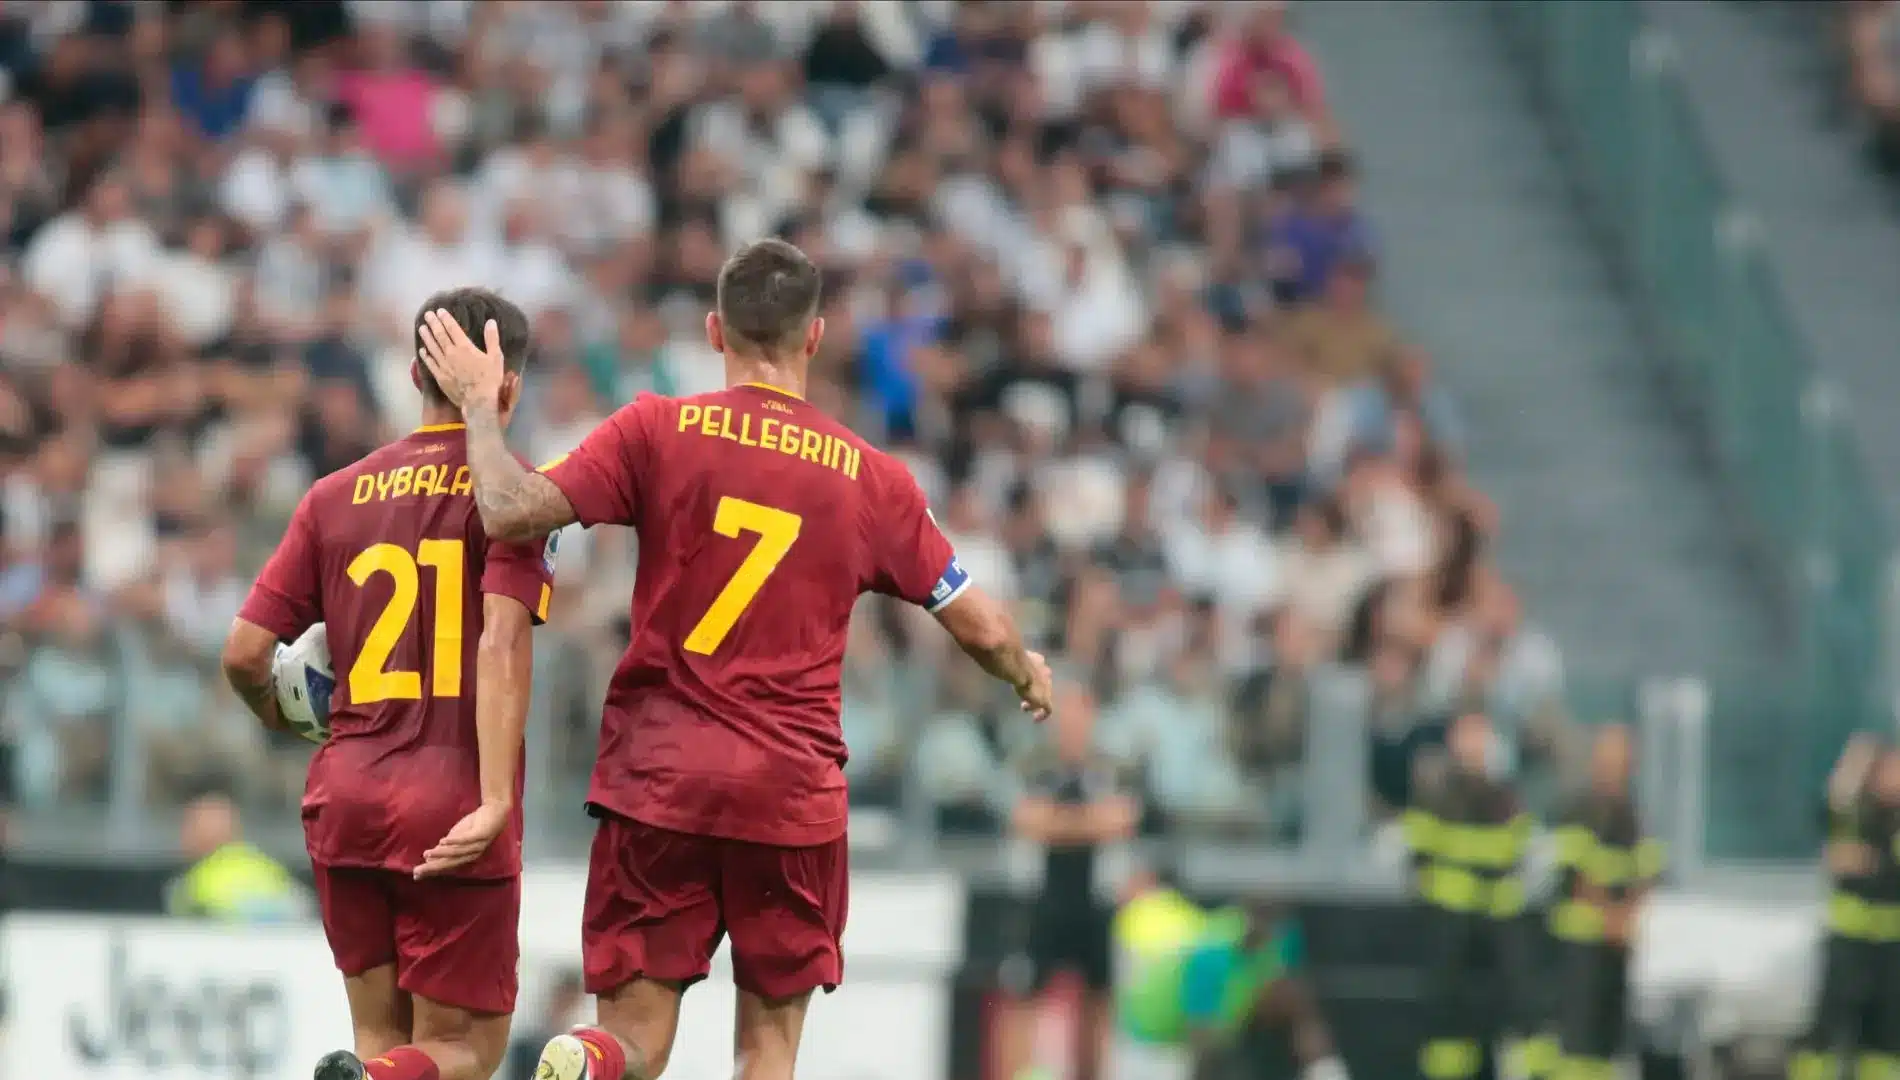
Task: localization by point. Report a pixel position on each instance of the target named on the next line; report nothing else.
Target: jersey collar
(774, 389)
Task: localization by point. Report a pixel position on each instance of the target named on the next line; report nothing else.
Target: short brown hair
(768, 295)
(471, 308)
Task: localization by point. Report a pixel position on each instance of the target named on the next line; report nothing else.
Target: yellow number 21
(777, 531)
(370, 677)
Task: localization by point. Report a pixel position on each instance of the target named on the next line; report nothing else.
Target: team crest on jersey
(548, 552)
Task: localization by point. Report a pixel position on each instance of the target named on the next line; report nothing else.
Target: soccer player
(411, 812)
(719, 786)
(1192, 983)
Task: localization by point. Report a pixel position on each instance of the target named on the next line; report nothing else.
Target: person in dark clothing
(1135, 554)
(1858, 1016)
(311, 22)
(76, 84)
(1076, 809)
(1467, 832)
(841, 54)
(1608, 866)
(842, 65)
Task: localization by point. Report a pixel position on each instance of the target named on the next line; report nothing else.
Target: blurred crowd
(1096, 270)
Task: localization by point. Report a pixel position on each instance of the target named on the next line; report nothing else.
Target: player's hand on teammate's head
(1039, 693)
(467, 373)
(467, 841)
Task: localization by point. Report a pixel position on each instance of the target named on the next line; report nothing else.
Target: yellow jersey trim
(774, 389)
(430, 429)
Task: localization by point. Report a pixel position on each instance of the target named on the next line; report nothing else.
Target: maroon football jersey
(761, 521)
(390, 555)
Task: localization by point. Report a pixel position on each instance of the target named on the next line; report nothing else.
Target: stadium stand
(1306, 376)
(1096, 273)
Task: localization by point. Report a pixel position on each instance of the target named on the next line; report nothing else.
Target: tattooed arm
(594, 484)
(516, 503)
(247, 662)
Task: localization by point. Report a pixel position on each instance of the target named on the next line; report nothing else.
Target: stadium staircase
(1761, 81)
(1612, 527)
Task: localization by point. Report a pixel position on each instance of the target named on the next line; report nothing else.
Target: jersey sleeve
(287, 598)
(914, 561)
(523, 572)
(601, 477)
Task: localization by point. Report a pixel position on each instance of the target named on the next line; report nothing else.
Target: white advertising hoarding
(889, 1021)
(96, 998)
(144, 999)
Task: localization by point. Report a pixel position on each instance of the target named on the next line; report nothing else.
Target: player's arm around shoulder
(597, 483)
(517, 504)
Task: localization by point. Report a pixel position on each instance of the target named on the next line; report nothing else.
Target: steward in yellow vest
(231, 881)
(1467, 834)
(1855, 1034)
(1608, 867)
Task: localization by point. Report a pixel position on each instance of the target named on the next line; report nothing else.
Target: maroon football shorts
(455, 942)
(659, 901)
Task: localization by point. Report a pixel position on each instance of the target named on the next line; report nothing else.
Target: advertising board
(111, 998)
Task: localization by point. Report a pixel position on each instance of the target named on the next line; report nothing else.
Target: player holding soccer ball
(411, 812)
(720, 787)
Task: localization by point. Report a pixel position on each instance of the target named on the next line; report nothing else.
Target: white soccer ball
(303, 680)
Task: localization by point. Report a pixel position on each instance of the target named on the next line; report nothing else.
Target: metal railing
(1329, 850)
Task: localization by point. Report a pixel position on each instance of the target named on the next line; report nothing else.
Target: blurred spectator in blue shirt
(217, 95)
(1317, 232)
(885, 358)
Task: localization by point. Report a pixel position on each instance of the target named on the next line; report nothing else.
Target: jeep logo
(205, 1025)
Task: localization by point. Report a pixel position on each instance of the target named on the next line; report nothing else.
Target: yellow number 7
(777, 531)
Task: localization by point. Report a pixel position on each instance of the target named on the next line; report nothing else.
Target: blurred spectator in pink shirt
(392, 100)
(1260, 46)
